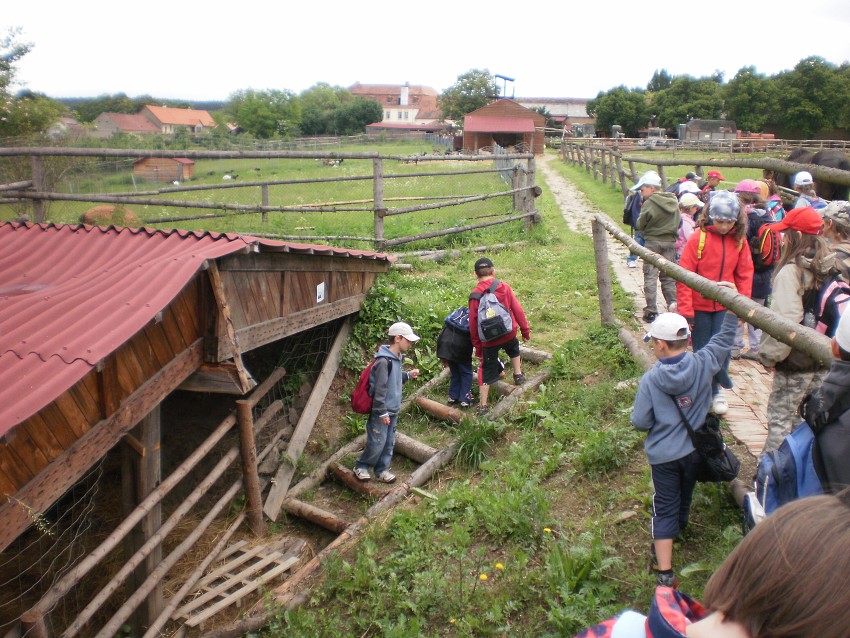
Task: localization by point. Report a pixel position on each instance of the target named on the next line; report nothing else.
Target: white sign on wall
(320, 292)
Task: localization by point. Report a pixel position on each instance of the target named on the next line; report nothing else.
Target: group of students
(460, 338)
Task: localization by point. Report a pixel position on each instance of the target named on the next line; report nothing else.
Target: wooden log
(504, 405)
(636, 348)
(439, 410)
(502, 388)
(314, 514)
(413, 449)
(345, 476)
(534, 356)
(430, 385)
(250, 474)
(603, 273)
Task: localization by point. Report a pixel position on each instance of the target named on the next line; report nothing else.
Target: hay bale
(110, 215)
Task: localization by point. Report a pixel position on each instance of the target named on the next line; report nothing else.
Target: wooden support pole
(265, 202)
(378, 196)
(39, 215)
(250, 475)
(224, 313)
(603, 273)
(663, 176)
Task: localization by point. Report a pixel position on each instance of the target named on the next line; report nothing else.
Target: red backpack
(766, 246)
(361, 398)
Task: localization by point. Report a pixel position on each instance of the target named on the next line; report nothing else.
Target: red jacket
(508, 299)
(724, 258)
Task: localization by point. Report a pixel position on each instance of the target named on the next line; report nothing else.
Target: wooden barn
(164, 169)
(98, 326)
(506, 123)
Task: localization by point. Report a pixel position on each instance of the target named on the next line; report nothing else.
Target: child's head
(748, 192)
(669, 334)
(690, 204)
(484, 268)
(781, 579)
(725, 212)
(401, 336)
(803, 182)
(649, 183)
(836, 218)
(841, 340)
(714, 178)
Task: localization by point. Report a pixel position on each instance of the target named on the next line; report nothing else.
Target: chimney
(405, 94)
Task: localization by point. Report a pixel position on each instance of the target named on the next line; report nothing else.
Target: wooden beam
(314, 514)
(66, 469)
(230, 332)
(260, 334)
(218, 378)
(302, 431)
(277, 262)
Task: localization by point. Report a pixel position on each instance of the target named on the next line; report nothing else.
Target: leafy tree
(550, 122)
(686, 99)
(473, 89)
(352, 118)
(621, 106)
(319, 104)
(810, 98)
(265, 114)
(29, 113)
(660, 80)
(750, 100)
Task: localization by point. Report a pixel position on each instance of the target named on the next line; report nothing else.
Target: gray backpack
(494, 320)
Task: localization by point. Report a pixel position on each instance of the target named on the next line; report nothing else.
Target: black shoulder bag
(720, 465)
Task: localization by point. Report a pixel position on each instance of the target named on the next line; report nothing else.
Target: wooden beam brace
(230, 331)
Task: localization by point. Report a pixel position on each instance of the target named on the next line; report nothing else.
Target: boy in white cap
(680, 383)
(805, 185)
(385, 380)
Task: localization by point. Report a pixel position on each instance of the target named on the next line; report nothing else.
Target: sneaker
(666, 579)
(751, 355)
(482, 410)
(719, 405)
(519, 379)
(386, 477)
(632, 263)
(649, 316)
(362, 473)
(735, 354)
(464, 405)
(673, 307)
(452, 402)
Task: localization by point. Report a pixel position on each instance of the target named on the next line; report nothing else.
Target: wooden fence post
(663, 176)
(378, 196)
(633, 177)
(38, 185)
(603, 273)
(603, 166)
(530, 183)
(622, 174)
(265, 202)
(516, 183)
(250, 475)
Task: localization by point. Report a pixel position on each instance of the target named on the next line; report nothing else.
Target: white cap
(802, 178)
(688, 187)
(689, 199)
(842, 332)
(401, 329)
(649, 178)
(669, 326)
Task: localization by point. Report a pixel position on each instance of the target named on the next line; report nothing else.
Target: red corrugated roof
(181, 117)
(497, 124)
(71, 295)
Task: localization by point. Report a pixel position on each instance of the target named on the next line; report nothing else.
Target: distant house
(106, 124)
(562, 110)
(404, 104)
(169, 120)
(65, 128)
(164, 169)
(506, 123)
(708, 130)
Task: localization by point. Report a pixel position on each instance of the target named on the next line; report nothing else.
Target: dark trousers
(674, 484)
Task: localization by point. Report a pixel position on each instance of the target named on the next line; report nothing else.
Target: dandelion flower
(547, 530)
(452, 620)
(499, 566)
(483, 577)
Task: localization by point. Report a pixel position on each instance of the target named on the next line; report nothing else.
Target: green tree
(473, 89)
(660, 80)
(750, 100)
(621, 106)
(550, 122)
(686, 99)
(319, 105)
(352, 118)
(265, 114)
(810, 98)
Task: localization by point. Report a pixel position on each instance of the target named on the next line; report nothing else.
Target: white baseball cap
(689, 199)
(688, 187)
(649, 178)
(401, 329)
(669, 326)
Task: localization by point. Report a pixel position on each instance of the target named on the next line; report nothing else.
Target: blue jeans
(380, 441)
(639, 239)
(706, 325)
(460, 382)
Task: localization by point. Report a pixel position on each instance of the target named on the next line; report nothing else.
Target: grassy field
(540, 527)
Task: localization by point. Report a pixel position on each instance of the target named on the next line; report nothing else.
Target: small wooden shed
(164, 169)
(506, 123)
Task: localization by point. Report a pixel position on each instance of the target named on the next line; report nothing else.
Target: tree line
(811, 98)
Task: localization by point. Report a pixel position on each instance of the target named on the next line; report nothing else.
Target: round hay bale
(110, 215)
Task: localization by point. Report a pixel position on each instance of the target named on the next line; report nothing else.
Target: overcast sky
(208, 50)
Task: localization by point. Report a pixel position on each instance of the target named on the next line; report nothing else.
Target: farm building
(164, 169)
(506, 123)
(168, 120)
(562, 110)
(104, 332)
(708, 130)
(402, 103)
(107, 124)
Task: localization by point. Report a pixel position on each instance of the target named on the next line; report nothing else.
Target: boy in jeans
(385, 380)
(684, 377)
(489, 368)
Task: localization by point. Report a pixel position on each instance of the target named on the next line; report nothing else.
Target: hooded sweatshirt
(687, 377)
(386, 379)
(827, 411)
(659, 217)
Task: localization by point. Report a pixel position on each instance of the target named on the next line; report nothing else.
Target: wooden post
(530, 181)
(227, 320)
(622, 174)
(378, 196)
(603, 166)
(516, 178)
(663, 176)
(141, 474)
(250, 475)
(603, 273)
(39, 186)
(633, 173)
(265, 202)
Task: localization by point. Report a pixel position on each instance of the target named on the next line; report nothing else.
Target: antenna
(505, 79)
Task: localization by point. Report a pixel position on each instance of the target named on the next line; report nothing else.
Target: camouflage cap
(838, 212)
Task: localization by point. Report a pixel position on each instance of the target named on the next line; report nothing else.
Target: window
(416, 99)
(389, 100)
(399, 115)
(405, 115)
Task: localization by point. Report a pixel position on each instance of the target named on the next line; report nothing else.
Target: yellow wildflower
(483, 577)
(499, 566)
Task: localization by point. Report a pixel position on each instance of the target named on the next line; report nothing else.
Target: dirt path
(748, 399)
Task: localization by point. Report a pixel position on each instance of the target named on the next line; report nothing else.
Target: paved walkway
(747, 417)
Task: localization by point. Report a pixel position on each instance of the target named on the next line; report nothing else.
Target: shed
(506, 123)
(99, 325)
(164, 169)
(708, 130)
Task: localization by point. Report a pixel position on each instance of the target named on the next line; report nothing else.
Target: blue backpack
(784, 475)
(459, 319)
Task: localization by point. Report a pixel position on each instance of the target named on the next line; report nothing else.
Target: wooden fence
(518, 170)
(611, 165)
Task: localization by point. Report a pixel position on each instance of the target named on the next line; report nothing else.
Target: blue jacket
(687, 377)
(386, 380)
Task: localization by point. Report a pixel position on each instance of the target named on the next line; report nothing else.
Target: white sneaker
(719, 405)
(631, 264)
(362, 473)
(386, 477)
(673, 307)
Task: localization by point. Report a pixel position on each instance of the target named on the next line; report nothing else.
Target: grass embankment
(541, 525)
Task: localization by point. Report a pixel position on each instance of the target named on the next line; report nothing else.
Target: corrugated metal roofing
(71, 295)
(497, 124)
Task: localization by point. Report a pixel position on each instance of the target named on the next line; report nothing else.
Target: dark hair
(780, 581)
(484, 271)
(675, 344)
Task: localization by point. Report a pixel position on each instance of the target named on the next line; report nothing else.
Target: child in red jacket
(489, 367)
(717, 250)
